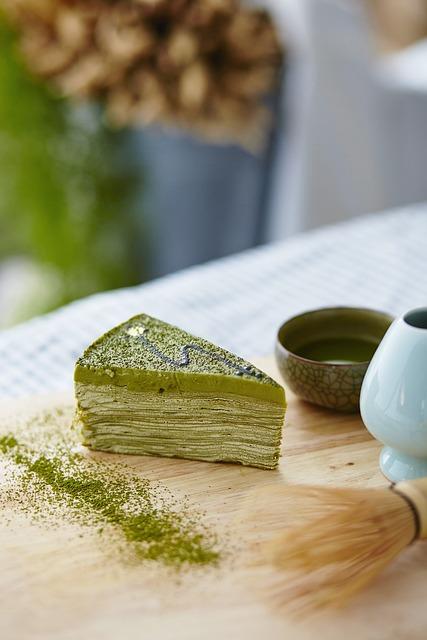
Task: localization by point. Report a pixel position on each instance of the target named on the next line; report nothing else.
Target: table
(56, 585)
(379, 261)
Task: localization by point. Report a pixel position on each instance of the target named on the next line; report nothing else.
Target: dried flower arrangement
(200, 65)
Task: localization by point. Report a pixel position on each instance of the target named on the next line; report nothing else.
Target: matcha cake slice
(149, 388)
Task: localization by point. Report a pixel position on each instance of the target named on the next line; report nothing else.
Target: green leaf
(67, 199)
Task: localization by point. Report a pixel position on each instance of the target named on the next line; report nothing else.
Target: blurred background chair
(356, 117)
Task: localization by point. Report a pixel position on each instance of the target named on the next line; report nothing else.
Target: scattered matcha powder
(141, 518)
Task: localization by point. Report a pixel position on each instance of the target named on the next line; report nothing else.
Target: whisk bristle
(343, 539)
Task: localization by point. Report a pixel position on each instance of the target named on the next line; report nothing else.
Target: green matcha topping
(50, 481)
(145, 343)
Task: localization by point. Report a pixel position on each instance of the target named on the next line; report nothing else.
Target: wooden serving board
(54, 586)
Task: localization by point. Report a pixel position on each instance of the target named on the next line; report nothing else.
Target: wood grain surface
(55, 585)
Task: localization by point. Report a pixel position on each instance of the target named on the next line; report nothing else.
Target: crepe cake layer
(149, 388)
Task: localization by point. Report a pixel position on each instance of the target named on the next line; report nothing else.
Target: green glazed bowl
(323, 355)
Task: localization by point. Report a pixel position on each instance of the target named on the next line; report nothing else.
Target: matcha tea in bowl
(323, 354)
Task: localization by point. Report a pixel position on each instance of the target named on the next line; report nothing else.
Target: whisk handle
(416, 492)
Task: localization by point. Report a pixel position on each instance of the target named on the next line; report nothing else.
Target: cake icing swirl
(139, 332)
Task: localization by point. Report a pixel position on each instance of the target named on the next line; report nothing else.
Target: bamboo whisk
(343, 540)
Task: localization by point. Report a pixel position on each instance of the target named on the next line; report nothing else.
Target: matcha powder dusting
(51, 481)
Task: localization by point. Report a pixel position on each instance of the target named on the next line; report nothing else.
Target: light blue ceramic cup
(393, 400)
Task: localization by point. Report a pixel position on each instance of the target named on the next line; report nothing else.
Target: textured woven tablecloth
(377, 261)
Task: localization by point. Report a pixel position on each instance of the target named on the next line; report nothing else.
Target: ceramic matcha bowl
(323, 355)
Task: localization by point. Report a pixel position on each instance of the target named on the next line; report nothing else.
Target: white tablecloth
(375, 261)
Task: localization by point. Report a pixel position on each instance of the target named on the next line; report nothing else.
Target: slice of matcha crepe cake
(149, 388)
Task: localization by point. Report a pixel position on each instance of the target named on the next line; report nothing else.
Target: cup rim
(321, 363)
(411, 312)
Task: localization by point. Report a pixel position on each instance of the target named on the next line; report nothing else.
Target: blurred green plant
(66, 188)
